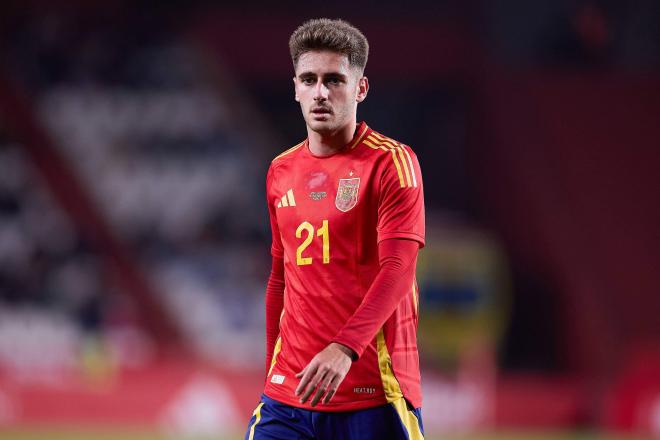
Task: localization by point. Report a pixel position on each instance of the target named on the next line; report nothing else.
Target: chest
(324, 199)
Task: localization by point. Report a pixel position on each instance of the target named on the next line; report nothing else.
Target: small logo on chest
(347, 194)
(318, 195)
(287, 200)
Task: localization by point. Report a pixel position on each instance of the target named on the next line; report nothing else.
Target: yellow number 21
(321, 232)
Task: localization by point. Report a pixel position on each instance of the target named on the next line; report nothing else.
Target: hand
(325, 372)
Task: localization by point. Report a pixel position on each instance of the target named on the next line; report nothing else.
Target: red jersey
(328, 215)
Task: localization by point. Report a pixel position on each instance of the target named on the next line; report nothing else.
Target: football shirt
(328, 215)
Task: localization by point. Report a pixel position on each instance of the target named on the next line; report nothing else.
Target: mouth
(321, 111)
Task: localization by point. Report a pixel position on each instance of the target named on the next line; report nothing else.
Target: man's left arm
(327, 369)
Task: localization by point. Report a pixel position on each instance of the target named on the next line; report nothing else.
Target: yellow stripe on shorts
(257, 414)
(409, 419)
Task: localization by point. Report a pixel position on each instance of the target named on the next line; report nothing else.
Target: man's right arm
(274, 307)
(275, 286)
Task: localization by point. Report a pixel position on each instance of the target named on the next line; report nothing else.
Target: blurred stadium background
(134, 139)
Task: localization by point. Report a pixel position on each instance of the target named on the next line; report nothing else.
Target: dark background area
(536, 122)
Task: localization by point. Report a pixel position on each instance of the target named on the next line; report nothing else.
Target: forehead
(320, 62)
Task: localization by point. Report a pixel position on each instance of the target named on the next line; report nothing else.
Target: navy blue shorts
(273, 420)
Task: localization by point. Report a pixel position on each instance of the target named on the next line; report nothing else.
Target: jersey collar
(359, 135)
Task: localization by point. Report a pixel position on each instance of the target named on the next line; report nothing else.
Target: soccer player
(347, 218)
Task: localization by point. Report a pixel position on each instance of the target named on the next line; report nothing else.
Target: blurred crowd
(174, 179)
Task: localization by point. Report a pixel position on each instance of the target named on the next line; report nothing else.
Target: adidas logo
(287, 200)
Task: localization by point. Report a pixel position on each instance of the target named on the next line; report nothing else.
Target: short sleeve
(401, 198)
(276, 248)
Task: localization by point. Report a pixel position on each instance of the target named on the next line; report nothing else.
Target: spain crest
(347, 194)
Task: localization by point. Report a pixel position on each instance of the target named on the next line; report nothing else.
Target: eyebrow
(329, 74)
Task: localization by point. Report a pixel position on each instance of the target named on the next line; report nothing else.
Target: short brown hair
(333, 35)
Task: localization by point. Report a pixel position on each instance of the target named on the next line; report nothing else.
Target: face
(328, 90)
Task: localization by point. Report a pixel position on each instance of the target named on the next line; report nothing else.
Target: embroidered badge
(347, 194)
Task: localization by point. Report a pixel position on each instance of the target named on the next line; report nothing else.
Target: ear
(363, 89)
(294, 90)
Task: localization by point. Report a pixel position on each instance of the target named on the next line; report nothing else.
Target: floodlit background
(134, 140)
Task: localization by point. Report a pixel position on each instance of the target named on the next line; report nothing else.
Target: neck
(326, 144)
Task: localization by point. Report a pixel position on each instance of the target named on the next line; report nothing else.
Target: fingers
(323, 387)
(324, 374)
(332, 389)
(306, 374)
(326, 383)
(318, 377)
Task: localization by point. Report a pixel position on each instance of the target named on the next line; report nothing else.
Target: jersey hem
(340, 407)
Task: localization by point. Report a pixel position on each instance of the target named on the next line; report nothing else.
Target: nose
(320, 92)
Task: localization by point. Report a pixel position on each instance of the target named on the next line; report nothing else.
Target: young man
(347, 217)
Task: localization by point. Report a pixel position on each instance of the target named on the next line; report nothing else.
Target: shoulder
(398, 159)
(276, 163)
(385, 144)
(286, 155)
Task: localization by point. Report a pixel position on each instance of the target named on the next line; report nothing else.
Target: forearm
(274, 306)
(392, 283)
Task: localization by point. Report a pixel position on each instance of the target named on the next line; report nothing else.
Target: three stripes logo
(287, 200)
(400, 157)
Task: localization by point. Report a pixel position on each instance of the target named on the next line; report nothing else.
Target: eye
(308, 80)
(333, 81)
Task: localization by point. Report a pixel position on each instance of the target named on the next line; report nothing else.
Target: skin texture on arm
(325, 372)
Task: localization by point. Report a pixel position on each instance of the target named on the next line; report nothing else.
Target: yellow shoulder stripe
(396, 161)
(403, 159)
(375, 147)
(395, 149)
(403, 154)
(410, 163)
(290, 150)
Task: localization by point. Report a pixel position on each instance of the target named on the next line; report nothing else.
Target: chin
(321, 127)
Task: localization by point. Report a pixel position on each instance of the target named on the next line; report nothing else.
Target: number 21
(321, 232)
